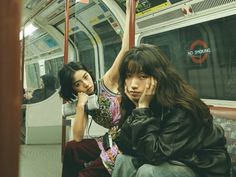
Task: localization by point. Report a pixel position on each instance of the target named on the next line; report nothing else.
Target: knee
(120, 158)
(69, 146)
(145, 170)
(151, 170)
(123, 160)
(164, 170)
(70, 149)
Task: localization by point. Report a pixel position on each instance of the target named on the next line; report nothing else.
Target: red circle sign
(203, 53)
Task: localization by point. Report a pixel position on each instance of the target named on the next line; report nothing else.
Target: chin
(90, 93)
(135, 100)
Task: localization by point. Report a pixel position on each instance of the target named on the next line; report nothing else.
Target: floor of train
(40, 161)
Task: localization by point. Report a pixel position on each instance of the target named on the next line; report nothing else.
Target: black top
(175, 135)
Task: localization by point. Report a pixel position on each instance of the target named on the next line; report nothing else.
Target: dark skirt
(82, 159)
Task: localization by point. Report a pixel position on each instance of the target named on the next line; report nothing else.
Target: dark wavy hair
(50, 85)
(66, 74)
(172, 90)
(49, 81)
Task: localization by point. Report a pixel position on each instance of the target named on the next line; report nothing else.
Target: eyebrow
(80, 79)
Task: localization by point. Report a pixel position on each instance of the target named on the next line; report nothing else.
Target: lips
(134, 93)
(90, 89)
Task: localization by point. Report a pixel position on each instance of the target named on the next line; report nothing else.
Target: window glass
(32, 76)
(85, 48)
(204, 54)
(111, 42)
(53, 66)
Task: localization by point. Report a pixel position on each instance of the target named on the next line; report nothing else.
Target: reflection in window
(111, 42)
(205, 55)
(53, 66)
(85, 48)
(32, 76)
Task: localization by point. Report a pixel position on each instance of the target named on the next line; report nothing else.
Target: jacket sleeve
(145, 130)
(156, 141)
(123, 138)
(134, 128)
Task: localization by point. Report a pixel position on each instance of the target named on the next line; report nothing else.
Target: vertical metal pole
(22, 63)
(132, 23)
(10, 87)
(67, 16)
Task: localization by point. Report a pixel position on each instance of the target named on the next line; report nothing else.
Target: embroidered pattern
(108, 116)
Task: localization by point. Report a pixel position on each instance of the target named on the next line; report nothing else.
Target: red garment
(82, 159)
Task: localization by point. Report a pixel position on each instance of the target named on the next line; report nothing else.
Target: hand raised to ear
(148, 94)
(82, 98)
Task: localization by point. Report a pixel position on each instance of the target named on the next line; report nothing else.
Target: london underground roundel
(199, 51)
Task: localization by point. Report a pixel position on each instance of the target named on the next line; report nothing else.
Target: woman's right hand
(82, 99)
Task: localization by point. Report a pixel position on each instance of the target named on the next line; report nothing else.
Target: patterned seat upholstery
(229, 126)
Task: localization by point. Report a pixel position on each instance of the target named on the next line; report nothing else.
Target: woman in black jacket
(48, 88)
(166, 129)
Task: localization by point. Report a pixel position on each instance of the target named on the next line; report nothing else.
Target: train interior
(198, 36)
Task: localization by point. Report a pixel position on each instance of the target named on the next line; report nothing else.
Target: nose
(134, 83)
(86, 83)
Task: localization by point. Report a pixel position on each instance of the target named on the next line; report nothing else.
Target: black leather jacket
(175, 136)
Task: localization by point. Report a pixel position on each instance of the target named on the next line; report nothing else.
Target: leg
(95, 169)
(78, 153)
(125, 166)
(165, 170)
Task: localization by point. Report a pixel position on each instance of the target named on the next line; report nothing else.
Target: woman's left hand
(148, 94)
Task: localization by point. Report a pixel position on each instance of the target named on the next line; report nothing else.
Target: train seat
(226, 117)
(92, 130)
(43, 121)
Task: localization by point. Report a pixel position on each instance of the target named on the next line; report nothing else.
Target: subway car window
(205, 54)
(53, 66)
(86, 50)
(41, 55)
(111, 42)
(32, 75)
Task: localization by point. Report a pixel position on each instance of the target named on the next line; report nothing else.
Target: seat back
(43, 121)
(226, 117)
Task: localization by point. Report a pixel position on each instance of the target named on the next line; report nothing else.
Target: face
(83, 82)
(135, 85)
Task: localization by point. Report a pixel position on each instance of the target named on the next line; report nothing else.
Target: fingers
(148, 82)
(151, 85)
(82, 97)
(126, 90)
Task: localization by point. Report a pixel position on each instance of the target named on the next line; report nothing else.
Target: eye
(77, 84)
(86, 76)
(128, 75)
(143, 76)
